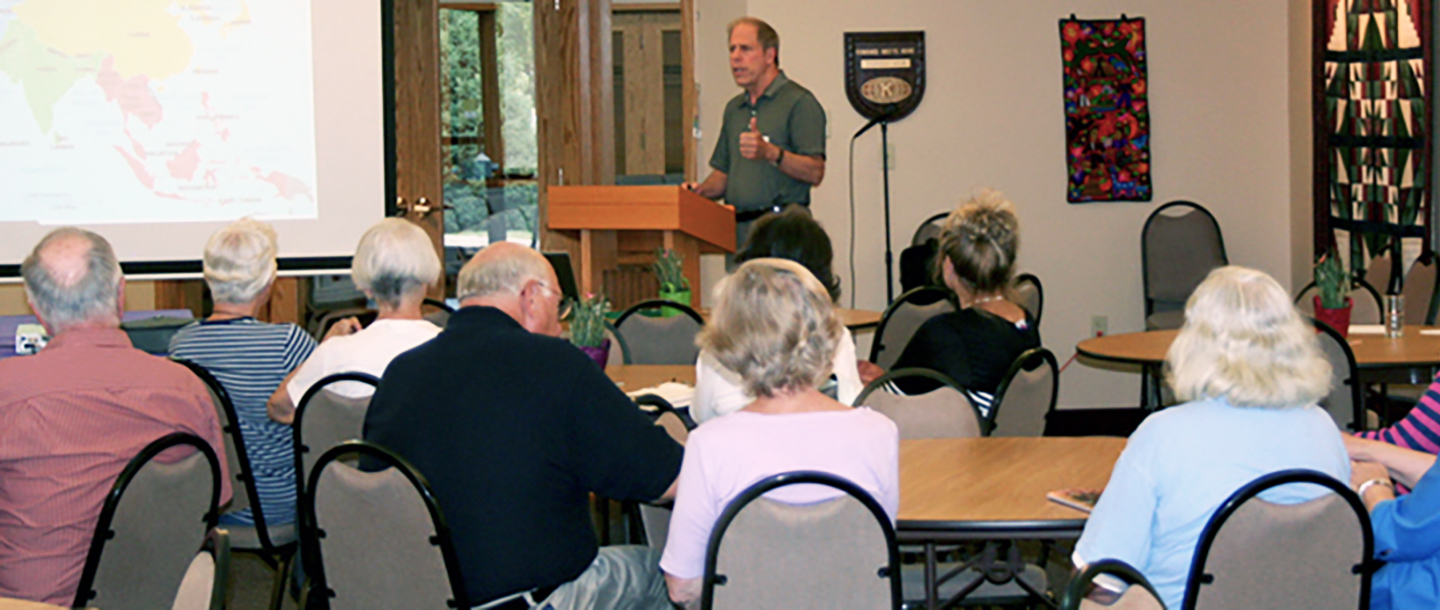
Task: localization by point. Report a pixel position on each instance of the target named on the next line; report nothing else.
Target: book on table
(1079, 499)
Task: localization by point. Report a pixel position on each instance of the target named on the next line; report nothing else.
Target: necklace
(993, 297)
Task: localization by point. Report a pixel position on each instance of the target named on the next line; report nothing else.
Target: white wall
(992, 117)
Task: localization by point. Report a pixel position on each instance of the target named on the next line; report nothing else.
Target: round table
(1418, 347)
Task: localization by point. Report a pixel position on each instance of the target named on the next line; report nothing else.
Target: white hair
(395, 259)
(240, 261)
(1244, 342)
(65, 302)
(485, 276)
(775, 325)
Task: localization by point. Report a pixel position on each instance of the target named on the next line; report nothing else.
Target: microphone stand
(889, 253)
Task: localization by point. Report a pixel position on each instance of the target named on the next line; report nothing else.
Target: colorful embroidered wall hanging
(1107, 115)
(1372, 151)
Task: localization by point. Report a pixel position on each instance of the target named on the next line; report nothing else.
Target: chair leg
(282, 578)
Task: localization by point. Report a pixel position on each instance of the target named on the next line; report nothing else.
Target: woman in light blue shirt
(1251, 372)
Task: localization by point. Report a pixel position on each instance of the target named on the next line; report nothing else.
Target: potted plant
(1332, 303)
(669, 269)
(587, 328)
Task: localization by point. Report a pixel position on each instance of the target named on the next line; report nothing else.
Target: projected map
(119, 111)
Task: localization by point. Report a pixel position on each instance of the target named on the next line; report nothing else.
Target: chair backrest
(675, 423)
(207, 581)
(1257, 554)
(244, 495)
(902, 318)
(655, 520)
(381, 539)
(1180, 244)
(1026, 396)
(437, 311)
(1345, 402)
(1140, 595)
(1420, 293)
(1365, 302)
(930, 229)
(1030, 296)
(835, 554)
(660, 340)
(619, 351)
(153, 520)
(944, 412)
(324, 419)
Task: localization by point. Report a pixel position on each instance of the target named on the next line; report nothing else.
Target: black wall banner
(885, 73)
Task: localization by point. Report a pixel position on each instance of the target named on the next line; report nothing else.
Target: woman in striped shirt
(250, 358)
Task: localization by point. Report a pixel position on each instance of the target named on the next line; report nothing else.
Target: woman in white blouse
(795, 236)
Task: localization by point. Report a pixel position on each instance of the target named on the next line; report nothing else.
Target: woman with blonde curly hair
(773, 324)
(975, 345)
(1251, 372)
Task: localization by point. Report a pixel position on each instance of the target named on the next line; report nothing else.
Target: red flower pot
(1339, 319)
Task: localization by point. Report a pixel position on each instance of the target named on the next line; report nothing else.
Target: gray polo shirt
(793, 120)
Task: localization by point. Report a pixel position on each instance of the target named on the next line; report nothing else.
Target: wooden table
(994, 488)
(631, 377)
(1413, 349)
(979, 488)
(20, 604)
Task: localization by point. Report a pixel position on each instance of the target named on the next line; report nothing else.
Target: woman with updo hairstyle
(975, 345)
(791, 235)
(774, 324)
(1250, 370)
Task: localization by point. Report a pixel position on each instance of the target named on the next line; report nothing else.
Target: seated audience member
(515, 428)
(791, 235)
(1407, 529)
(1420, 429)
(1251, 370)
(394, 265)
(249, 358)
(774, 324)
(74, 415)
(975, 345)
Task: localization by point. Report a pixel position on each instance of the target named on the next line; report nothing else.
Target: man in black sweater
(514, 428)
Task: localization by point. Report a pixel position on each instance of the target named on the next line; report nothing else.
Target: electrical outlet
(1099, 325)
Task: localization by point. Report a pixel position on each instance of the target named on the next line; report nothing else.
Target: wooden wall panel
(417, 119)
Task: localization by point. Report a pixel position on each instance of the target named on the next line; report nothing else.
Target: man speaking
(771, 148)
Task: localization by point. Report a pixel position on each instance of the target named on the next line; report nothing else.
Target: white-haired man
(72, 416)
(514, 428)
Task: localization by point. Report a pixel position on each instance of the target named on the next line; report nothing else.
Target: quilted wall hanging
(1372, 80)
(1107, 114)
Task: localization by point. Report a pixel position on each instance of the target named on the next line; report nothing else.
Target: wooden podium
(621, 226)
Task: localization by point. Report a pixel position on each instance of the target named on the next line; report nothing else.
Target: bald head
(72, 278)
(502, 268)
(515, 280)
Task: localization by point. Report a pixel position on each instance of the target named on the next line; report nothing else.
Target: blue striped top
(250, 358)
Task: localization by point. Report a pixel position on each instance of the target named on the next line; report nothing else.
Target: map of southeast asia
(119, 111)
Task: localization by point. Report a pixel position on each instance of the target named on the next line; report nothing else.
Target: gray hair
(503, 275)
(1244, 342)
(240, 261)
(773, 324)
(65, 302)
(395, 259)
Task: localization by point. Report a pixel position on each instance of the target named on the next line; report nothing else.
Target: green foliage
(670, 270)
(1331, 280)
(587, 327)
(516, 47)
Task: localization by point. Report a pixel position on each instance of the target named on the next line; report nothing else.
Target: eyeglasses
(566, 305)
